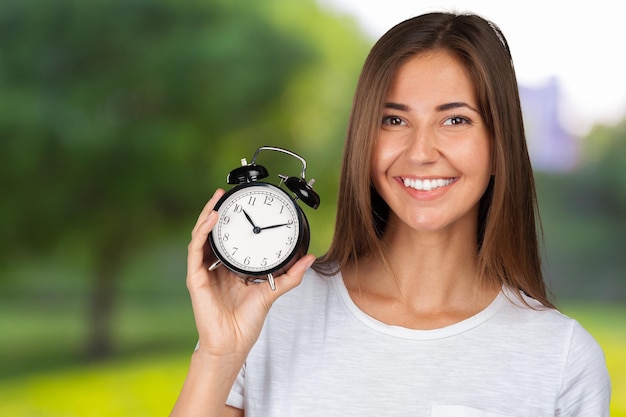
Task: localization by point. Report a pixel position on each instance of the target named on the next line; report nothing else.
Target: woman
(430, 300)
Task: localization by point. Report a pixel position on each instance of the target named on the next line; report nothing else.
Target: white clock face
(258, 228)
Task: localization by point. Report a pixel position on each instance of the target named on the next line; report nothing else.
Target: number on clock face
(258, 229)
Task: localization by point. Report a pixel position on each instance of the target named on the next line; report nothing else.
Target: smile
(427, 185)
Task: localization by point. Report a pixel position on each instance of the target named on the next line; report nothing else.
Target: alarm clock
(261, 230)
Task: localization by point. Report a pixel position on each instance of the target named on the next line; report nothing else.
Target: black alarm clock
(262, 231)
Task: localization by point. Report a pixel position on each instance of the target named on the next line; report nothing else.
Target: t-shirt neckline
(407, 333)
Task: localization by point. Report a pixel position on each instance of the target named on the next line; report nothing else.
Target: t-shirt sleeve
(586, 387)
(235, 398)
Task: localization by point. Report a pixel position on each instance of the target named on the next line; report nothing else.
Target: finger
(208, 208)
(195, 250)
(293, 277)
(206, 221)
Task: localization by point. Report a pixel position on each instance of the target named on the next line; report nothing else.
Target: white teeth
(426, 185)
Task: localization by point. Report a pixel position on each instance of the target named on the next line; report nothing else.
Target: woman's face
(432, 160)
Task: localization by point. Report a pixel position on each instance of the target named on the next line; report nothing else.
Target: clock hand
(256, 229)
(275, 226)
(249, 218)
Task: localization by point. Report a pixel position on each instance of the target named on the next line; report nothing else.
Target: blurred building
(551, 147)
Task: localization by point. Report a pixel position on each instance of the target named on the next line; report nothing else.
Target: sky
(580, 43)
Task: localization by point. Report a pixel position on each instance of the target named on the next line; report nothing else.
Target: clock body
(260, 231)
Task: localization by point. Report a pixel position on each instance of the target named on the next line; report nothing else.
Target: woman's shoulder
(526, 309)
(319, 280)
(536, 320)
(312, 304)
(314, 289)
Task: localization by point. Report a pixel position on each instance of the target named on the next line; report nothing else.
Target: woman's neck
(422, 280)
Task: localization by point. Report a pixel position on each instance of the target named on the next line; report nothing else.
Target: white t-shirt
(320, 355)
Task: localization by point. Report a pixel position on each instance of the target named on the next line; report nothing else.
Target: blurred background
(119, 118)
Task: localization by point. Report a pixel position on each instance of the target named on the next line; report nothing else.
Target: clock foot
(270, 279)
(214, 265)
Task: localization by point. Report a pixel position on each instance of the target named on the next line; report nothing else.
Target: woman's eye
(456, 120)
(393, 121)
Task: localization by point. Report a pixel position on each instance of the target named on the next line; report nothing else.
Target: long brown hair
(508, 218)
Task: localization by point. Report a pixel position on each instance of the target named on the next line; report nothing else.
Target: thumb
(293, 277)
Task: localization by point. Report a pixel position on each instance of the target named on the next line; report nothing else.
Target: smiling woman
(432, 160)
(430, 300)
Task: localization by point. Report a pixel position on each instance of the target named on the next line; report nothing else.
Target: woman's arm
(206, 388)
(229, 316)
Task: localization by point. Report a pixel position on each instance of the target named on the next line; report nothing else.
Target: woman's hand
(229, 314)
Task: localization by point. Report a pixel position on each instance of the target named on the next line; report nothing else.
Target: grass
(131, 387)
(44, 374)
(154, 347)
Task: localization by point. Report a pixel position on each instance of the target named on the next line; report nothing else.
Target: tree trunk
(102, 301)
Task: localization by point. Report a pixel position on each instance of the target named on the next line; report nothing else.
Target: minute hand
(276, 225)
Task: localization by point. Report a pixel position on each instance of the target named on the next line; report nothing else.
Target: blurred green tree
(117, 117)
(584, 217)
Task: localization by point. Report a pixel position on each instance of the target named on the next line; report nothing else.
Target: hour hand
(249, 218)
(255, 229)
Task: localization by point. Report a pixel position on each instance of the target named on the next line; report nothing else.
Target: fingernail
(211, 215)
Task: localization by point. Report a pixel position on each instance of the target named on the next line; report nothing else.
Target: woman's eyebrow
(454, 105)
(396, 106)
(439, 108)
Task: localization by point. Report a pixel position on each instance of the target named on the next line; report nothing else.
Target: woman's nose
(422, 147)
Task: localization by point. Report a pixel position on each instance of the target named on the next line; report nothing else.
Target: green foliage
(115, 110)
(584, 217)
(119, 118)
